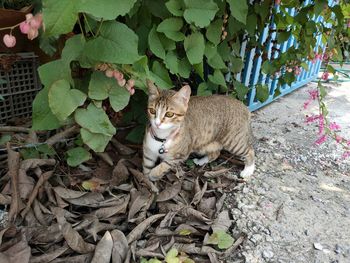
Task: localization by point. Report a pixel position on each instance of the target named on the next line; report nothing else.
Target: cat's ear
(184, 94)
(152, 89)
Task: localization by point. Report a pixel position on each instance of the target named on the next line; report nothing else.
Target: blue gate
(252, 75)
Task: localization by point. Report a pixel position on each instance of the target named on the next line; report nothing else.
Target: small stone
(318, 246)
(267, 254)
(303, 158)
(337, 249)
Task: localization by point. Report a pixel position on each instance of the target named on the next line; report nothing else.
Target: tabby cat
(180, 125)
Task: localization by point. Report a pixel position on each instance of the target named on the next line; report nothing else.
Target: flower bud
(9, 40)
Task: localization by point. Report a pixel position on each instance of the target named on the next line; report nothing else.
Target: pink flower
(29, 16)
(348, 143)
(346, 155)
(132, 91)
(318, 56)
(32, 33)
(307, 103)
(277, 2)
(36, 21)
(109, 73)
(297, 71)
(24, 27)
(313, 94)
(325, 75)
(9, 40)
(118, 75)
(334, 126)
(121, 82)
(310, 119)
(338, 138)
(321, 140)
(321, 124)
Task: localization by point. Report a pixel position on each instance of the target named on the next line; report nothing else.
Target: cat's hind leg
(211, 152)
(249, 164)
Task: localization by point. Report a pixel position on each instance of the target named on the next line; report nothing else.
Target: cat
(181, 125)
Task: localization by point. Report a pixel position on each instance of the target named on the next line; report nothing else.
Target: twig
(235, 245)
(14, 129)
(62, 135)
(13, 164)
(42, 179)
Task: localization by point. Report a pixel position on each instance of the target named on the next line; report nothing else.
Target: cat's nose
(158, 123)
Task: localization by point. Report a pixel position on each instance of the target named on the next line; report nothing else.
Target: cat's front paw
(154, 175)
(201, 161)
(247, 171)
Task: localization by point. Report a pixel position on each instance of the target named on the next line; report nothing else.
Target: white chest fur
(153, 145)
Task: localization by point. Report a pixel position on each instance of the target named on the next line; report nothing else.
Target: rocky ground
(296, 208)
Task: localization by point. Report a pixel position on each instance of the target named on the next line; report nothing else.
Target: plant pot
(8, 18)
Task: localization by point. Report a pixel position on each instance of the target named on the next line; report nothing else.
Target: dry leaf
(20, 252)
(169, 192)
(120, 247)
(75, 241)
(222, 222)
(103, 250)
(120, 173)
(50, 256)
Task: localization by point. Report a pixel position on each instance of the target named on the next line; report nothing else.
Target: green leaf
(96, 141)
(73, 48)
(236, 64)
(268, 68)
(59, 16)
(46, 150)
(218, 78)
(155, 44)
(171, 256)
(77, 156)
(116, 44)
(95, 120)
(331, 69)
(240, 89)
(119, 98)
(175, 7)
(282, 37)
(63, 100)
(262, 92)
(106, 9)
(100, 86)
(194, 47)
(203, 90)
(199, 69)
(304, 66)
(154, 260)
(30, 153)
(171, 27)
(53, 71)
(177, 66)
(43, 118)
(200, 12)
(161, 76)
(214, 58)
(136, 135)
(220, 238)
(239, 10)
(214, 31)
(4, 139)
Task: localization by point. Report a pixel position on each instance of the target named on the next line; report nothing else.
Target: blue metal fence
(252, 75)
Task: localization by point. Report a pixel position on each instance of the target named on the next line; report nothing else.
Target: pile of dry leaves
(112, 213)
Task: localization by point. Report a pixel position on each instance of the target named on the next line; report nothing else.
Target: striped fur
(205, 125)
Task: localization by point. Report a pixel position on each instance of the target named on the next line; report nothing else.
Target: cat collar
(163, 141)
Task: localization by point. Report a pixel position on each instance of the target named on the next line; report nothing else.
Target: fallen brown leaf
(103, 250)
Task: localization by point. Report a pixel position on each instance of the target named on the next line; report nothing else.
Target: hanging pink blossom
(313, 94)
(9, 40)
(325, 75)
(321, 124)
(109, 73)
(306, 104)
(24, 27)
(346, 155)
(32, 33)
(313, 118)
(338, 138)
(321, 140)
(333, 126)
(297, 71)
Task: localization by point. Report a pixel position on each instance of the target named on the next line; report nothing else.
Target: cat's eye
(169, 114)
(152, 111)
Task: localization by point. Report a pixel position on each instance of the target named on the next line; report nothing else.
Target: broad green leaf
(194, 47)
(175, 7)
(304, 66)
(218, 78)
(171, 256)
(30, 153)
(199, 69)
(77, 156)
(73, 48)
(96, 141)
(236, 64)
(241, 90)
(171, 28)
(282, 37)
(157, 8)
(203, 90)
(262, 92)
(136, 135)
(185, 232)
(53, 71)
(100, 86)
(161, 76)
(155, 44)
(46, 150)
(59, 16)
(154, 260)
(106, 9)
(63, 100)
(331, 69)
(177, 66)
(116, 44)
(268, 67)
(43, 118)
(214, 32)
(239, 10)
(119, 98)
(4, 139)
(95, 120)
(200, 12)
(224, 240)
(167, 43)
(214, 58)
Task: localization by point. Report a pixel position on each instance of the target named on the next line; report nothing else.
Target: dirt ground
(296, 208)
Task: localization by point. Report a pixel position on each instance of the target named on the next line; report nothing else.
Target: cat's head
(167, 108)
